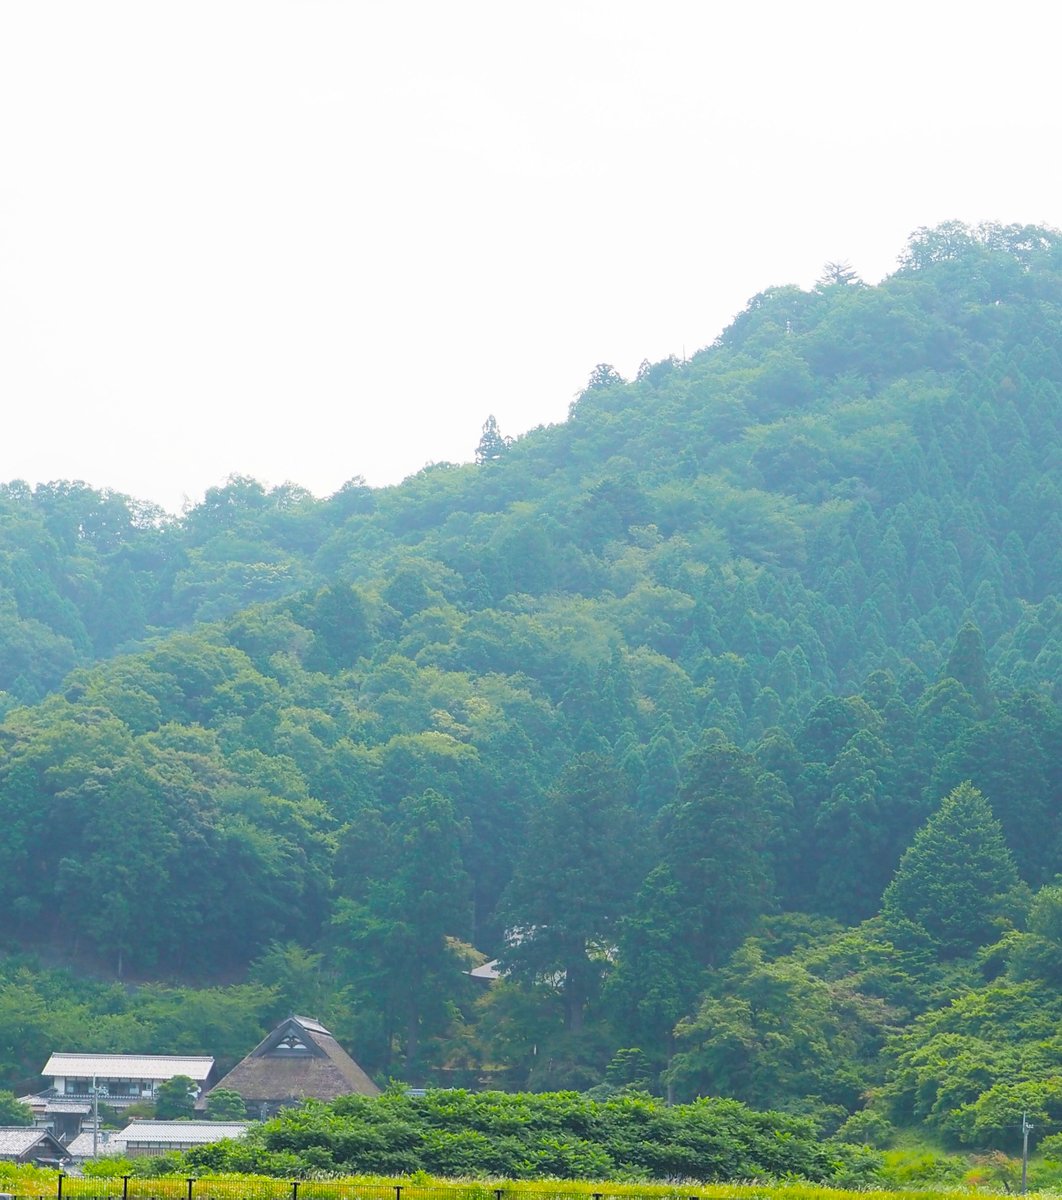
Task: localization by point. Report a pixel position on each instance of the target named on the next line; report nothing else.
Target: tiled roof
(18, 1139)
(182, 1132)
(129, 1066)
(178, 1133)
(109, 1142)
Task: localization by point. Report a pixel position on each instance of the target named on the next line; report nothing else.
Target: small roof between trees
(181, 1132)
(488, 970)
(107, 1141)
(157, 1134)
(299, 1060)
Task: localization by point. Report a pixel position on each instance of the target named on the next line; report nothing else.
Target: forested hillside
(726, 714)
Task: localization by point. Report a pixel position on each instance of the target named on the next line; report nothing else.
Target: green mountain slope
(690, 669)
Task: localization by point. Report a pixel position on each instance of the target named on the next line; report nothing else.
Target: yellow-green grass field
(26, 1182)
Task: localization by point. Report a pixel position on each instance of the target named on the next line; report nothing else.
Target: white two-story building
(117, 1080)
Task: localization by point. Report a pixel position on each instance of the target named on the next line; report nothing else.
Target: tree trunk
(574, 998)
(670, 1095)
(412, 1035)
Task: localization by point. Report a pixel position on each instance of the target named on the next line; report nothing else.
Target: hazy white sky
(312, 239)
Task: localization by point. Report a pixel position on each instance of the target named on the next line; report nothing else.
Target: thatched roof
(299, 1060)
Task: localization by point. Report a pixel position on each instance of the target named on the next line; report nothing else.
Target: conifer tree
(1037, 953)
(491, 445)
(956, 879)
(573, 883)
(717, 841)
(967, 664)
(657, 977)
(661, 778)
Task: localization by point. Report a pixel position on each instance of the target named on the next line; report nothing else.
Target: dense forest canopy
(725, 714)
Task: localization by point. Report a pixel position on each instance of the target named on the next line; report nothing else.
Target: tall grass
(28, 1182)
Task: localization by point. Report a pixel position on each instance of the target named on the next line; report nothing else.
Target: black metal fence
(131, 1187)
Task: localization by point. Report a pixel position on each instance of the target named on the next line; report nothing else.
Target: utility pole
(1025, 1128)
(96, 1092)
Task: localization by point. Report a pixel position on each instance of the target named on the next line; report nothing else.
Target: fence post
(497, 1194)
(294, 1189)
(191, 1182)
(60, 1192)
(398, 1191)
(125, 1187)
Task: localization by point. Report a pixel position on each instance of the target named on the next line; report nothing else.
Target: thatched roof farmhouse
(299, 1060)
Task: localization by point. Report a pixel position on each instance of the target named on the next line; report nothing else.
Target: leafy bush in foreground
(561, 1135)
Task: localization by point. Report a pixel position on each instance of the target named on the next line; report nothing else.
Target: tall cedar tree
(968, 664)
(717, 844)
(392, 941)
(956, 879)
(573, 882)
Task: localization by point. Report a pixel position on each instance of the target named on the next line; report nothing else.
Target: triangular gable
(293, 1036)
(298, 1060)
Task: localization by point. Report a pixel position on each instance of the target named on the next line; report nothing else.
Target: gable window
(292, 1044)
